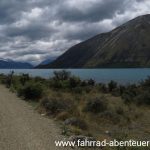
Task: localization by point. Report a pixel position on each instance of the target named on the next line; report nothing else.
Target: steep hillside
(126, 46)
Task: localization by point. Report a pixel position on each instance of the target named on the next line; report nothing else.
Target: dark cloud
(10, 10)
(32, 30)
(96, 11)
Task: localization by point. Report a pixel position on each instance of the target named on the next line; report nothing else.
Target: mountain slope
(9, 64)
(125, 46)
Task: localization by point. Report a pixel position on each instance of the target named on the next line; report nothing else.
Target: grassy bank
(84, 107)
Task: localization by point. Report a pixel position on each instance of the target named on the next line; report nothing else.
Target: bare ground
(21, 128)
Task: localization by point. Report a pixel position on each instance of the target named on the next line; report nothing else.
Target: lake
(122, 76)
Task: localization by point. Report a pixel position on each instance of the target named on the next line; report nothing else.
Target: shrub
(146, 82)
(77, 90)
(16, 85)
(76, 122)
(64, 84)
(63, 116)
(111, 116)
(9, 79)
(129, 95)
(31, 91)
(55, 84)
(91, 82)
(102, 87)
(55, 105)
(75, 130)
(115, 92)
(84, 83)
(88, 89)
(2, 78)
(74, 82)
(143, 98)
(120, 111)
(96, 105)
(71, 83)
(61, 75)
(121, 89)
(112, 85)
(24, 78)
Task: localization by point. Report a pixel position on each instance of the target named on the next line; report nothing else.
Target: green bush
(31, 91)
(96, 105)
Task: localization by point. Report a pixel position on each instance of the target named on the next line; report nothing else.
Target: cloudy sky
(34, 30)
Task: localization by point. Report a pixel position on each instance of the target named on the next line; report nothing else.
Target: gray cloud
(32, 30)
(96, 11)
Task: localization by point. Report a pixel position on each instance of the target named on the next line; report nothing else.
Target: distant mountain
(10, 64)
(126, 46)
(47, 61)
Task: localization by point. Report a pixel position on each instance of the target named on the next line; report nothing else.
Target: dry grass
(117, 120)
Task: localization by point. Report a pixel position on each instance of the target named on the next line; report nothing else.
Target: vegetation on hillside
(84, 107)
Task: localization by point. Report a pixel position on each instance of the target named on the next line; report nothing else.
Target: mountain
(47, 61)
(124, 47)
(10, 64)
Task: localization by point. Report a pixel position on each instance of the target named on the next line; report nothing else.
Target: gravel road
(22, 128)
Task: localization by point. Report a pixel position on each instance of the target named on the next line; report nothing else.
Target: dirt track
(21, 128)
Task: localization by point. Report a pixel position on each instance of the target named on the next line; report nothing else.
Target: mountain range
(10, 64)
(127, 46)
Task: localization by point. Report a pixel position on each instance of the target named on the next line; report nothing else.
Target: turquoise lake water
(122, 76)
